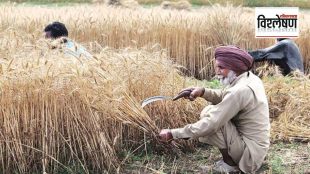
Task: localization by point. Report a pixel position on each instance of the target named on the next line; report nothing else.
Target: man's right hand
(165, 135)
(190, 93)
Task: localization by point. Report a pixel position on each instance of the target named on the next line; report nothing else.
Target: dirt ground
(281, 158)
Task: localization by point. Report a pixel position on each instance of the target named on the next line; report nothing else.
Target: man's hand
(190, 93)
(165, 135)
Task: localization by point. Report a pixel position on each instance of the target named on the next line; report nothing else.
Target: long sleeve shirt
(244, 103)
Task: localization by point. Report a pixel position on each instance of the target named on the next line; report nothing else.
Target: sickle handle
(182, 94)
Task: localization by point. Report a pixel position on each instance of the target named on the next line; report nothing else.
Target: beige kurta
(238, 121)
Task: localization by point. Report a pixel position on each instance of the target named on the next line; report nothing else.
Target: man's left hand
(165, 135)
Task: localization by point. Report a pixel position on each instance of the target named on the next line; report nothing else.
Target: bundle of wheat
(119, 3)
(178, 5)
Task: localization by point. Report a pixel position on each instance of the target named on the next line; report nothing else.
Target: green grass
(213, 84)
(276, 164)
(289, 158)
(282, 158)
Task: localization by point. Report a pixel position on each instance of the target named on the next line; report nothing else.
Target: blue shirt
(75, 50)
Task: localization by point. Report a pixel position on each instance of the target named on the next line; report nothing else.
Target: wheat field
(189, 37)
(59, 112)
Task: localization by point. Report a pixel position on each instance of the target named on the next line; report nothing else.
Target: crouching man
(237, 122)
(58, 33)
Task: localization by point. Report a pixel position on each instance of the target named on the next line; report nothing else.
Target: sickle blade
(153, 99)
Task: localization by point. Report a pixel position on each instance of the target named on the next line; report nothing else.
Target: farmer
(285, 53)
(237, 122)
(59, 34)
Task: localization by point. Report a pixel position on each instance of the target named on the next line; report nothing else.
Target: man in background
(285, 54)
(58, 32)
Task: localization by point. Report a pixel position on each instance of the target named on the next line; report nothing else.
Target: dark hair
(279, 39)
(57, 29)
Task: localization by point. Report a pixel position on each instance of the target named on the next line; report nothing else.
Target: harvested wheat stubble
(289, 107)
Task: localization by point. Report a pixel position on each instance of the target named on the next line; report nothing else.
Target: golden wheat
(59, 111)
(189, 37)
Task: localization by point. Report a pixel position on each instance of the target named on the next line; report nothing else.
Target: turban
(234, 58)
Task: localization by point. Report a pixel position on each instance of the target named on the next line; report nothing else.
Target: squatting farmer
(237, 122)
(58, 32)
